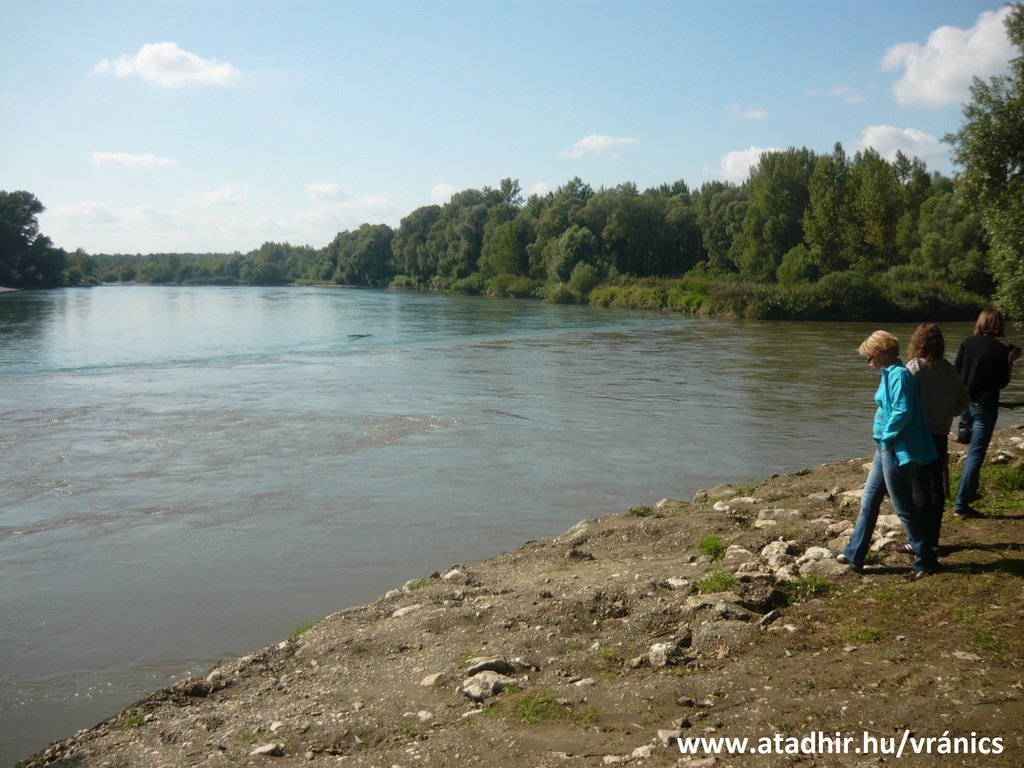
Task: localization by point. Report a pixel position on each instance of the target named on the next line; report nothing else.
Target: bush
(559, 294)
(583, 280)
(470, 286)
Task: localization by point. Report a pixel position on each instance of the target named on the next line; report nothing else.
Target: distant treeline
(806, 235)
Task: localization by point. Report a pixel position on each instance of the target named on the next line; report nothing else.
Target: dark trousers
(930, 489)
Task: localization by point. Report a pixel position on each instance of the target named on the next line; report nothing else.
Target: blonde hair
(879, 343)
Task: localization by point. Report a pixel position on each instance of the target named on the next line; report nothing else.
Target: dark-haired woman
(985, 365)
(943, 395)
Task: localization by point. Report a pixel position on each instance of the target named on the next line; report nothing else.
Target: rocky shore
(627, 637)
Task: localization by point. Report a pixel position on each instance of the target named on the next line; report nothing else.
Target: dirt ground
(616, 642)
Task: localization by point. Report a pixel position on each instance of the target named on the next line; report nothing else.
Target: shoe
(967, 512)
(904, 549)
(844, 560)
(918, 574)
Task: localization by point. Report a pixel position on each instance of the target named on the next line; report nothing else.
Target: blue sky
(218, 125)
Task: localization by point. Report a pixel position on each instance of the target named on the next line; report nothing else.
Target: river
(190, 473)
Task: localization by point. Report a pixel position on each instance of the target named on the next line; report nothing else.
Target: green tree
(560, 211)
(364, 256)
(577, 245)
(953, 244)
(777, 196)
(28, 259)
(827, 222)
(720, 208)
(878, 201)
(990, 148)
(408, 247)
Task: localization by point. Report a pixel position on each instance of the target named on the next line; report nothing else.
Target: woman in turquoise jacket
(902, 439)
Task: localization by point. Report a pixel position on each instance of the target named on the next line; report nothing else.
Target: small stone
(274, 749)
(406, 611)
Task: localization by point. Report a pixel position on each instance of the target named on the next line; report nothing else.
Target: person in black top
(985, 364)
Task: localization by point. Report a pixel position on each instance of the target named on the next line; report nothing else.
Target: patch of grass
(641, 511)
(1005, 477)
(865, 635)
(533, 708)
(712, 546)
(419, 584)
(719, 581)
(128, 718)
(745, 489)
(987, 640)
(806, 588)
(302, 629)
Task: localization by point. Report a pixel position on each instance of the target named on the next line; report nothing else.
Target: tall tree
(878, 201)
(408, 247)
(826, 220)
(777, 195)
(990, 148)
(720, 208)
(28, 259)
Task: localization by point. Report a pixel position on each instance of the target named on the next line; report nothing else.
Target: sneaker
(844, 560)
(917, 574)
(904, 549)
(967, 511)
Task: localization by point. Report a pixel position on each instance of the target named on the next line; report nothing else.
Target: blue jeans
(887, 475)
(984, 426)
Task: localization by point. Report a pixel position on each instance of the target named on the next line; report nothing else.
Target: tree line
(806, 234)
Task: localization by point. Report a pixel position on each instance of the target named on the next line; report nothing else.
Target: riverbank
(720, 617)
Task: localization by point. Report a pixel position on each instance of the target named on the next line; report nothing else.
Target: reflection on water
(190, 472)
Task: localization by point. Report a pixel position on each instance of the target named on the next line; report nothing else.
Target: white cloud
(126, 160)
(540, 189)
(604, 146)
(738, 113)
(318, 226)
(735, 166)
(940, 72)
(225, 196)
(166, 65)
(200, 228)
(442, 193)
(887, 140)
(319, 191)
(89, 212)
(847, 94)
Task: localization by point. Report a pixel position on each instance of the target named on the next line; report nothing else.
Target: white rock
(484, 685)
(406, 611)
(455, 576)
(275, 749)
